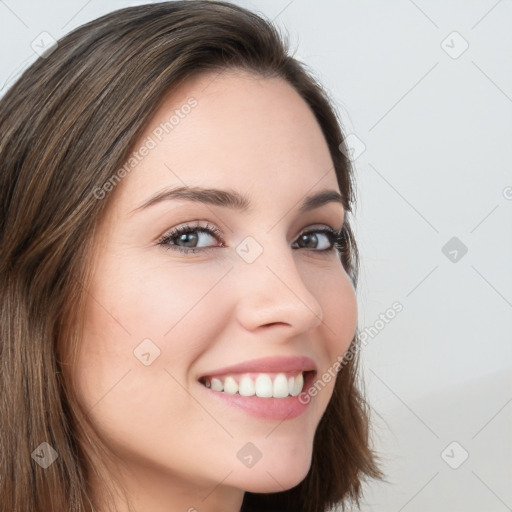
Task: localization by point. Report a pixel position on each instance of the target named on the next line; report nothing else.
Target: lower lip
(279, 409)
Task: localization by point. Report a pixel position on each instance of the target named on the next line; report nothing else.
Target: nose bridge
(272, 289)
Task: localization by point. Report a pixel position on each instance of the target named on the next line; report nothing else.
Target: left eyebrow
(233, 199)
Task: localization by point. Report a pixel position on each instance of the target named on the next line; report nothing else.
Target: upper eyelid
(216, 231)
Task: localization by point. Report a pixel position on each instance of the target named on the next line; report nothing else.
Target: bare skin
(211, 309)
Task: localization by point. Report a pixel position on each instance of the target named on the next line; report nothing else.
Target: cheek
(335, 293)
(133, 300)
(337, 297)
(155, 310)
(133, 310)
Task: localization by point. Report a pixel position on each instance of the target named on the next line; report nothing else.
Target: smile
(262, 385)
(267, 388)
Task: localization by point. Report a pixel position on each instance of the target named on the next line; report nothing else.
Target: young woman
(178, 312)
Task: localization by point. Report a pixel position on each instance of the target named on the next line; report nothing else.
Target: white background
(436, 130)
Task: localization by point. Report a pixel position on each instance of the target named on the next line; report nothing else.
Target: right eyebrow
(225, 198)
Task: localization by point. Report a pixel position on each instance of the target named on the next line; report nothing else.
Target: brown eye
(321, 240)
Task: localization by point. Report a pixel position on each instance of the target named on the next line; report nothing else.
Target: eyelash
(336, 238)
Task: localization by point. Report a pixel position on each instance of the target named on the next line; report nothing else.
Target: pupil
(190, 239)
(310, 240)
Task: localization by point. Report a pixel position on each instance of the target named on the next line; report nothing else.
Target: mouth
(268, 388)
(262, 385)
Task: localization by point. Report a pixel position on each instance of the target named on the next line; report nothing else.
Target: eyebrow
(235, 200)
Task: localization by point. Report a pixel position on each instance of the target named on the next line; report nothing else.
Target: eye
(194, 239)
(320, 240)
(190, 238)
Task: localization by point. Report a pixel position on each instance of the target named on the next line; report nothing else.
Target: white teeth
(246, 387)
(263, 387)
(297, 385)
(217, 385)
(291, 382)
(280, 389)
(230, 386)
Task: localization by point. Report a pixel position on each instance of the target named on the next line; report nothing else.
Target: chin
(278, 482)
(279, 473)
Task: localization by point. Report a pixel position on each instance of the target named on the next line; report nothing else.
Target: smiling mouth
(263, 385)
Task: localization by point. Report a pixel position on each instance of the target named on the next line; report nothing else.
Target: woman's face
(250, 307)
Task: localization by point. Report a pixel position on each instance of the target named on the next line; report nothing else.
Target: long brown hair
(66, 126)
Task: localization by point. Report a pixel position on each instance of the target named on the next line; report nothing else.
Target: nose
(272, 291)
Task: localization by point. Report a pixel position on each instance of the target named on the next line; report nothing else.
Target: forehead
(232, 129)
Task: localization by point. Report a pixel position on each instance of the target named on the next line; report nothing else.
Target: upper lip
(268, 365)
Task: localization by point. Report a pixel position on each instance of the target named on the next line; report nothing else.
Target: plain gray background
(424, 89)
